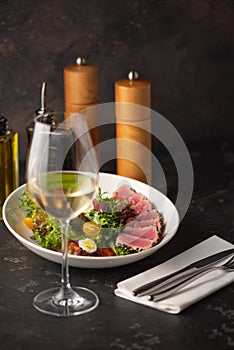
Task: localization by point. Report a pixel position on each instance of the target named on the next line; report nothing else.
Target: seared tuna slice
(159, 224)
(123, 193)
(147, 215)
(136, 198)
(133, 242)
(137, 201)
(141, 206)
(143, 232)
(142, 223)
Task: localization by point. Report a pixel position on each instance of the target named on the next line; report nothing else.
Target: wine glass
(62, 178)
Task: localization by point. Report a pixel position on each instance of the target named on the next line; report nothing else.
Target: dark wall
(185, 48)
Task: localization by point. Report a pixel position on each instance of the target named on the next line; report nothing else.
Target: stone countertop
(118, 323)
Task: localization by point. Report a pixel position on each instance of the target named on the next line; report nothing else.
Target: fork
(155, 296)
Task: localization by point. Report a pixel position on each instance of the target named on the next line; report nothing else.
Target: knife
(172, 288)
(181, 274)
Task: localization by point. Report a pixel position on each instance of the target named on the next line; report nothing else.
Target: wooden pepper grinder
(81, 92)
(133, 128)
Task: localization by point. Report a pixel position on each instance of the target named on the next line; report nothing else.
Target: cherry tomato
(73, 248)
(91, 229)
(29, 223)
(106, 252)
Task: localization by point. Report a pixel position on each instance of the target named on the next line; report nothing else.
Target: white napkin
(190, 294)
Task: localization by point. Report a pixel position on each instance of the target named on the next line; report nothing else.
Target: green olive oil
(9, 178)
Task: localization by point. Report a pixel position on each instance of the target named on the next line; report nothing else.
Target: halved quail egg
(88, 245)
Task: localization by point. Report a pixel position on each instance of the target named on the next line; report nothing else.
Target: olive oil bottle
(9, 164)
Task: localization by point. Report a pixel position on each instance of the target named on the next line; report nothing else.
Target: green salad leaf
(47, 230)
(27, 203)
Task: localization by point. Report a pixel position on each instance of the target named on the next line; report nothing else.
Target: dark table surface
(118, 323)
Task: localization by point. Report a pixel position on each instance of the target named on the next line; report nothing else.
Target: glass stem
(66, 296)
(65, 284)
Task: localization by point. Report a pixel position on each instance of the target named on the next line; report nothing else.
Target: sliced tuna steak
(145, 229)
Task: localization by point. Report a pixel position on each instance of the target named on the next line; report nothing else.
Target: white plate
(13, 217)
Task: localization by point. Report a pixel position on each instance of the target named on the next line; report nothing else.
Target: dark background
(184, 48)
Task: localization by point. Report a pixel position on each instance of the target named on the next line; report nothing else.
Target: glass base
(79, 301)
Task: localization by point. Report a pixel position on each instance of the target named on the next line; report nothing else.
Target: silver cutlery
(169, 291)
(182, 274)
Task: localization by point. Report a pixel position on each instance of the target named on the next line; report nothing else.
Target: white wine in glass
(62, 178)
